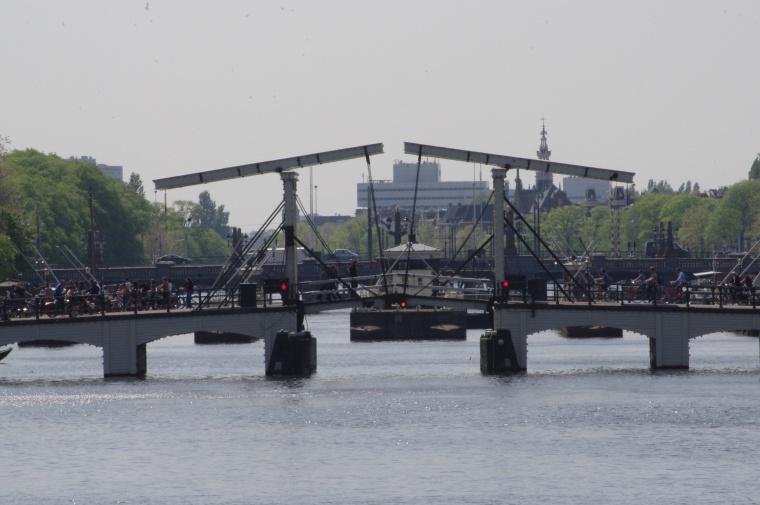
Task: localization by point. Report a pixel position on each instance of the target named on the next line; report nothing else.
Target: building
(431, 191)
(115, 171)
(580, 190)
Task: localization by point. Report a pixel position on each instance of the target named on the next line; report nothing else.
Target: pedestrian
(189, 289)
(352, 271)
(652, 282)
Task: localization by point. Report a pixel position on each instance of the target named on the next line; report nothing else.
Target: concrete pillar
(669, 352)
(290, 353)
(669, 347)
(498, 175)
(515, 325)
(122, 355)
(290, 213)
(497, 352)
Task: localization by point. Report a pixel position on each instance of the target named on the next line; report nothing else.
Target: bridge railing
(632, 293)
(107, 303)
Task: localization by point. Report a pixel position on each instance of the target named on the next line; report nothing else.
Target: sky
(665, 89)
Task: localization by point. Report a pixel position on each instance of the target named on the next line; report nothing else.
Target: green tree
(64, 190)
(736, 214)
(212, 216)
(754, 171)
(561, 228)
(136, 185)
(694, 222)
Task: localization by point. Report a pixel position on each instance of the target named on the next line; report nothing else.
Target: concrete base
(292, 353)
(408, 324)
(497, 353)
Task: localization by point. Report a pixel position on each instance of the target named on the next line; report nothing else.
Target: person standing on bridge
(353, 273)
(189, 289)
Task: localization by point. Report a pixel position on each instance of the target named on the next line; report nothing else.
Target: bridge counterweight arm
(222, 174)
(501, 161)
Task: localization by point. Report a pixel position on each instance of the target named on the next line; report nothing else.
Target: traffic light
(504, 291)
(284, 291)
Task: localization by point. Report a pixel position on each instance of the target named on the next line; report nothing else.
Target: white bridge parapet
(123, 336)
(669, 328)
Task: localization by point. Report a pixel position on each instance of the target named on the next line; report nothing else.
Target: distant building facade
(431, 191)
(115, 171)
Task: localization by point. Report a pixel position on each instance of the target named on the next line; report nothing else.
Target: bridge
(267, 310)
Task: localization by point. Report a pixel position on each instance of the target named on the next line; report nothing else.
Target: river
(402, 422)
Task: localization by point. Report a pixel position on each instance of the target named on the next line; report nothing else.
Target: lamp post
(187, 225)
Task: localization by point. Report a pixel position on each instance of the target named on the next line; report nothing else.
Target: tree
(64, 190)
(694, 222)
(212, 217)
(136, 185)
(736, 213)
(754, 171)
(561, 228)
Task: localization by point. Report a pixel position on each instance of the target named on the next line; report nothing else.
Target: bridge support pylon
(290, 353)
(498, 353)
(669, 352)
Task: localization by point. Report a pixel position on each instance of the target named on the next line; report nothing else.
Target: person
(604, 281)
(58, 295)
(47, 291)
(736, 286)
(681, 285)
(323, 285)
(189, 288)
(651, 283)
(640, 279)
(333, 274)
(680, 280)
(165, 289)
(352, 271)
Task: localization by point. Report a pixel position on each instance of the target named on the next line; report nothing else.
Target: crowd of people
(92, 296)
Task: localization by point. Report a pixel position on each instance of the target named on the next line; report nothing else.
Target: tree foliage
(60, 194)
(211, 216)
(754, 171)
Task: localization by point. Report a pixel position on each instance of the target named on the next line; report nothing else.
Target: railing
(103, 304)
(628, 293)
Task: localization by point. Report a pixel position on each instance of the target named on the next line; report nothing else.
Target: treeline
(45, 203)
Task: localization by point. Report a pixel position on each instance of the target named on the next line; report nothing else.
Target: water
(404, 422)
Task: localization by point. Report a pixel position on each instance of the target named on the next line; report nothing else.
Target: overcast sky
(666, 89)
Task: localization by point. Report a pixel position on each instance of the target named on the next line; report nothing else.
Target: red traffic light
(283, 287)
(505, 284)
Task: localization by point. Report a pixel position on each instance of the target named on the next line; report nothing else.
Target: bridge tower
(290, 210)
(544, 180)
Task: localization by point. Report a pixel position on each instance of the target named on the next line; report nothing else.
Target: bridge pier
(669, 347)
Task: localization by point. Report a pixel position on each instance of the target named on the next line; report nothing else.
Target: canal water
(378, 423)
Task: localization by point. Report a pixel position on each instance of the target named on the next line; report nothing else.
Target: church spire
(543, 152)
(543, 180)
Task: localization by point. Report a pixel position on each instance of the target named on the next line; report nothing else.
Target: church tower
(543, 180)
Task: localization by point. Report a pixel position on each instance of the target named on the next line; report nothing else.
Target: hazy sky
(666, 89)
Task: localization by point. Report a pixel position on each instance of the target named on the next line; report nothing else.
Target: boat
(5, 352)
